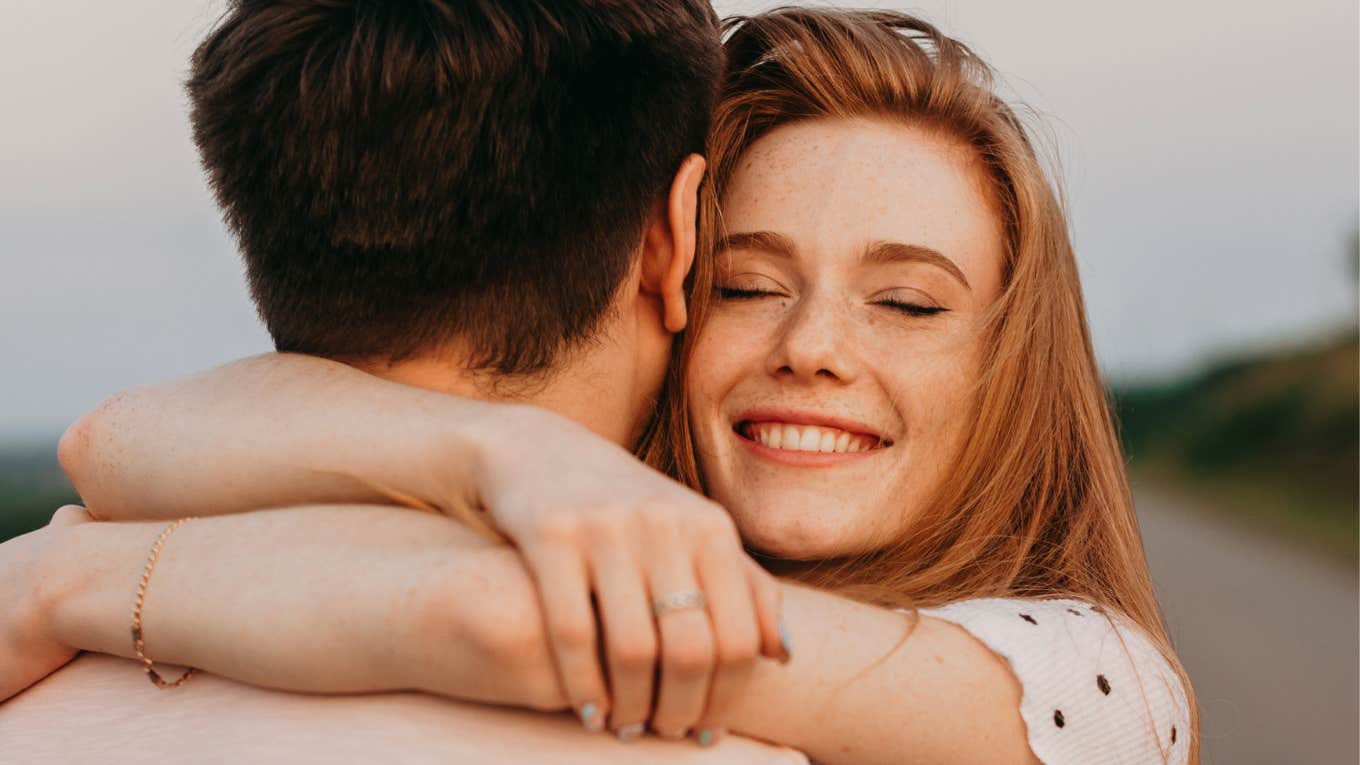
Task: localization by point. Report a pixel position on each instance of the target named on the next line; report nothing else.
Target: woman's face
(832, 385)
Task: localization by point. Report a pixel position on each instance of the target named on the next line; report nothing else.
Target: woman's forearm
(273, 431)
(319, 599)
(860, 689)
(374, 598)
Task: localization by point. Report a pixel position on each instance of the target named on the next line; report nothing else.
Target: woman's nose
(815, 342)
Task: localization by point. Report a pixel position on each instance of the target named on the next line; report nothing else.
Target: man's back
(439, 180)
(101, 709)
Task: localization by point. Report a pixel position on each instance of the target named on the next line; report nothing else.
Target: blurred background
(1209, 156)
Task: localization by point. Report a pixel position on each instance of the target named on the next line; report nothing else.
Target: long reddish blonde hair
(1040, 504)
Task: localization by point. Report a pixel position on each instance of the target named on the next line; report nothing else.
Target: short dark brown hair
(403, 173)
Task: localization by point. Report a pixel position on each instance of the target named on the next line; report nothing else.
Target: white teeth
(808, 438)
(811, 438)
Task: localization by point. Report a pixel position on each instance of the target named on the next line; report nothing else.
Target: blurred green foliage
(32, 487)
(1275, 436)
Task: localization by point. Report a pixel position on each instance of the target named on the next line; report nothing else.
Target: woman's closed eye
(748, 287)
(911, 308)
(910, 302)
(741, 293)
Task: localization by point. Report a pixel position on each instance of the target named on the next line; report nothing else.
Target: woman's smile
(807, 439)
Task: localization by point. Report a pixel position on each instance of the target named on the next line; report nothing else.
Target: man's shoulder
(101, 709)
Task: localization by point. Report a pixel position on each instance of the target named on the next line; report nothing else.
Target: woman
(893, 393)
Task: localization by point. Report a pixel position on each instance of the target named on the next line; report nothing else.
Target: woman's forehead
(838, 186)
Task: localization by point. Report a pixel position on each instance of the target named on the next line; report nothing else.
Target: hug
(648, 388)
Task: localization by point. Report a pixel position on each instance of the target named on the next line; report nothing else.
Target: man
(493, 199)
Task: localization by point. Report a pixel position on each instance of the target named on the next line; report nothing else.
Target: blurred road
(1268, 632)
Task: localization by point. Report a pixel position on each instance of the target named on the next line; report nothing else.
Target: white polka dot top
(1083, 698)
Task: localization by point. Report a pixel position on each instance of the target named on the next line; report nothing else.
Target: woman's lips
(804, 444)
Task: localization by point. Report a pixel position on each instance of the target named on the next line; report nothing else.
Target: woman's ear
(669, 241)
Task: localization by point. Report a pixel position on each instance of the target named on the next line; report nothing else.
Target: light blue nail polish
(705, 738)
(588, 717)
(785, 641)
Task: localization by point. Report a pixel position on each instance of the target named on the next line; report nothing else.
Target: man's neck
(589, 389)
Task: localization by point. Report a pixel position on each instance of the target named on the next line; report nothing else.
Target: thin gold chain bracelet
(138, 643)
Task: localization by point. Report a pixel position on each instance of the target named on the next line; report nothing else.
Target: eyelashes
(733, 293)
(910, 309)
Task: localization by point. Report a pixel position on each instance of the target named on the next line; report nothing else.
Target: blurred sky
(1209, 150)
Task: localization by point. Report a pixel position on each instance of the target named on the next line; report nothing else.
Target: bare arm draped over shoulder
(355, 599)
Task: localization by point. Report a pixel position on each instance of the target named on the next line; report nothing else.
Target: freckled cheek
(729, 348)
(723, 356)
(933, 394)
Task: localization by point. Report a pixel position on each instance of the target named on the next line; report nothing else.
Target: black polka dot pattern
(1063, 654)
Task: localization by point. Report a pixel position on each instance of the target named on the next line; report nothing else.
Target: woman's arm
(863, 689)
(217, 437)
(358, 599)
(603, 535)
(307, 599)
(279, 430)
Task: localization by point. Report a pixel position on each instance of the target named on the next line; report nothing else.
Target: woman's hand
(594, 524)
(27, 652)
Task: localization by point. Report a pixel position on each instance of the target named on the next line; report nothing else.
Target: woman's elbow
(79, 448)
(73, 450)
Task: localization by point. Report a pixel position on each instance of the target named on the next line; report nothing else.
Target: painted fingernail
(631, 732)
(590, 717)
(707, 738)
(785, 642)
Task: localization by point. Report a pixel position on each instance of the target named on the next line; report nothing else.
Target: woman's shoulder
(1095, 686)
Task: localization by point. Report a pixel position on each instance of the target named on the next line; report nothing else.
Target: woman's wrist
(482, 445)
(84, 584)
(33, 589)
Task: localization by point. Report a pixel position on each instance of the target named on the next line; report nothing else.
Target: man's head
(407, 177)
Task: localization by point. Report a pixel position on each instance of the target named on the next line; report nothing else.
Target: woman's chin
(793, 536)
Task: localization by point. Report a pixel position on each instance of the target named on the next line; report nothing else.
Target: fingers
(69, 515)
(683, 670)
(562, 582)
(727, 583)
(630, 640)
(687, 652)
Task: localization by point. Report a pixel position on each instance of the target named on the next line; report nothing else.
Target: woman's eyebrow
(878, 252)
(765, 241)
(897, 252)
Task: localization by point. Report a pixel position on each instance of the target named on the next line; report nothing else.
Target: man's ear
(668, 243)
